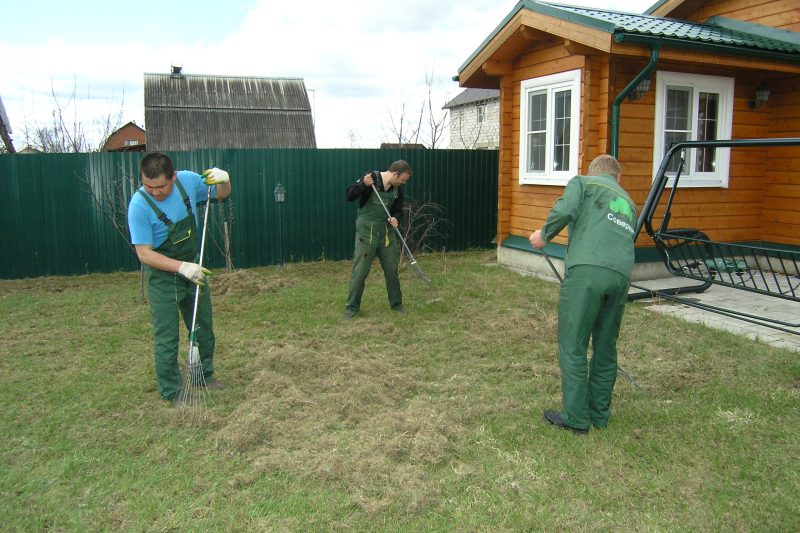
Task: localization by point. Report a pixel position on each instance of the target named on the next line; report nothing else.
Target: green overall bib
(169, 294)
(375, 236)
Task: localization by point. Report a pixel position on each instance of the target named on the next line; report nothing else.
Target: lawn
(426, 421)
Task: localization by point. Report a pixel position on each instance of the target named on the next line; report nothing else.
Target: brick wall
(466, 132)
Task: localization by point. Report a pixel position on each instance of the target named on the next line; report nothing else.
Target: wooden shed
(576, 82)
(187, 112)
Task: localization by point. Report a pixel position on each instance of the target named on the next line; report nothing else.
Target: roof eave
(557, 22)
(705, 46)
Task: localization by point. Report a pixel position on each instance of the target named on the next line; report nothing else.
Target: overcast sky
(361, 59)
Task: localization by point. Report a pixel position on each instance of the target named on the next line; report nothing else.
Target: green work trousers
(170, 295)
(591, 303)
(374, 238)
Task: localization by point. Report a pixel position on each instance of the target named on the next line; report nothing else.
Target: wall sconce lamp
(280, 197)
(642, 87)
(762, 95)
(280, 194)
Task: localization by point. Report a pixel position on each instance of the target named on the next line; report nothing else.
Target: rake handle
(197, 289)
(400, 235)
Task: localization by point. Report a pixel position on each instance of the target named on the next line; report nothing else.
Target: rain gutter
(625, 92)
(707, 46)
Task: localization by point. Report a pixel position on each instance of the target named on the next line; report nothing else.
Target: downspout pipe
(651, 65)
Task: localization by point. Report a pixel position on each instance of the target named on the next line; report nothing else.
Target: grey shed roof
(468, 96)
(188, 111)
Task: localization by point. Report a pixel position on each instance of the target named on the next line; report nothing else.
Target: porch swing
(689, 253)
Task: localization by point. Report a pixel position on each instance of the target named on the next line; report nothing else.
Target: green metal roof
(716, 35)
(647, 25)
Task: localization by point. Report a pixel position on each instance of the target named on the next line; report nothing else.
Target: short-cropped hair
(155, 164)
(400, 166)
(604, 164)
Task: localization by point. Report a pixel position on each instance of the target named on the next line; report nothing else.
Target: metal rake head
(194, 395)
(420, 273)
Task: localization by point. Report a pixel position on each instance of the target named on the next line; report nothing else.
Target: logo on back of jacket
(620, 209)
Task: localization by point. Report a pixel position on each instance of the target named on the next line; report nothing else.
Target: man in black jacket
(375, 234)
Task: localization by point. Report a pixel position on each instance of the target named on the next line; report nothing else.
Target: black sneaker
(554, 418)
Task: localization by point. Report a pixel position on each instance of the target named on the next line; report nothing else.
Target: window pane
(562, 123)
(677, 120)
(707, 119)
(536, 151)
(537, 131)
(537, 111)
(678, 108)
(669, 139)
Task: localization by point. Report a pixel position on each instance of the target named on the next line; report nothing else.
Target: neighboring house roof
(30, 150)
(115, 141)
(187, 111)
(410, 146)
(606, 27)
(469, 96)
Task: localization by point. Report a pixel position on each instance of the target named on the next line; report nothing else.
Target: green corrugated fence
(57, 209)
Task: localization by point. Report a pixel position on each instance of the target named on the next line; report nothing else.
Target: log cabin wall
(524, 208)
(780, 220)
(781, 14)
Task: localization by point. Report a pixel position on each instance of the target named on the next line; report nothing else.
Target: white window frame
(555, 82)
(698, 83)
(481, 117)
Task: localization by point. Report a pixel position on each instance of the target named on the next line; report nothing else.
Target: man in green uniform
(599, 260)
(375, 233)
(162, 222)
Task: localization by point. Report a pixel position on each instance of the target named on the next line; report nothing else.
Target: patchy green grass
(427, 421)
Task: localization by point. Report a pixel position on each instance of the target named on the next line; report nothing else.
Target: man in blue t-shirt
(162, 223)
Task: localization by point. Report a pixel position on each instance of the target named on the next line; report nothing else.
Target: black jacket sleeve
(360, 191)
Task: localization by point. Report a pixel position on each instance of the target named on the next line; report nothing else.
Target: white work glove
(215, 176)
(194, 273)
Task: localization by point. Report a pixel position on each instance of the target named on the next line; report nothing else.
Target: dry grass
(429, 420)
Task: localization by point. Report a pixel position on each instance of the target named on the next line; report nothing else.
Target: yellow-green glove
(194, 273)
(215, 176)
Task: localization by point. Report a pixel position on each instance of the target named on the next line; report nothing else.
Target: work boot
(214, 384)
(348, 314)
(554, 417)
(399, 309)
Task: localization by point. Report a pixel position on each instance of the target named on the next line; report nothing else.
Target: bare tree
(402, 128)
(111, 197)
(65, 133)
(425, 127)
(437, 121)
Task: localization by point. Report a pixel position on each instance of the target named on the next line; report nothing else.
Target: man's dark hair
(400, 166)
(155, 165)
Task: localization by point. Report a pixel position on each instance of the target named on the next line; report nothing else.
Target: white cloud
(361, 59)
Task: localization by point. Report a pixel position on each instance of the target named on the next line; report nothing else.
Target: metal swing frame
(689, 253)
